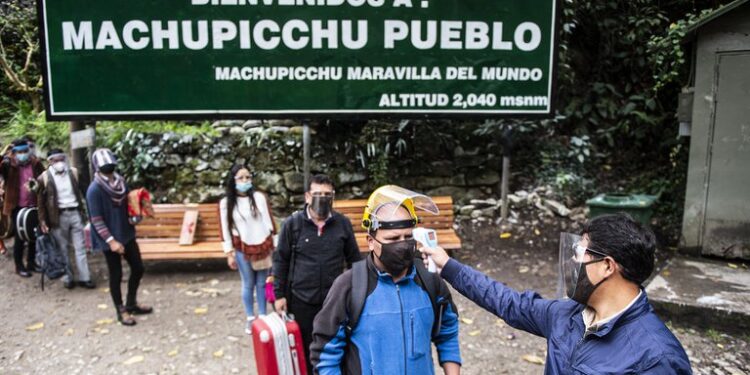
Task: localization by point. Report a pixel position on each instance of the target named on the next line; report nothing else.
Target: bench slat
(158, 238)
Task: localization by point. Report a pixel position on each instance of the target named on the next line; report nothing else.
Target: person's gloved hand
(438, 254)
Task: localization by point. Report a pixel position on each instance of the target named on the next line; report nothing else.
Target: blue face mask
(22, 158)
(244, 187)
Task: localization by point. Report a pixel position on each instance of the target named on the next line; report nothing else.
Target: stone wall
(436, 158)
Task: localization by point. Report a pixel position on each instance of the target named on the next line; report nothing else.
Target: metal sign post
(507, 143)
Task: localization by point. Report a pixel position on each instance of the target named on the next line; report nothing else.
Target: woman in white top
(247, 236)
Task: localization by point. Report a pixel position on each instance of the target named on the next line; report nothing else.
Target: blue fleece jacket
(394, 332)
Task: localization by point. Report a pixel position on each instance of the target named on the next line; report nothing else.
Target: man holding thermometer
(607, 326)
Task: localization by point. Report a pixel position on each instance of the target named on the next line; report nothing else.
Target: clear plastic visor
(570, 262)
(387, 199)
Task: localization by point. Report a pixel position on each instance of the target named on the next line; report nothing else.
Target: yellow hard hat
(398, 197)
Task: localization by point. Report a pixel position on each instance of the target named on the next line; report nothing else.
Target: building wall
(728, 204)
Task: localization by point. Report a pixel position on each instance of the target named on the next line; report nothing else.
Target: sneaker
(249, 325)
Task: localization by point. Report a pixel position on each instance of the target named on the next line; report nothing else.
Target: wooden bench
(159, 238)
(442, 222)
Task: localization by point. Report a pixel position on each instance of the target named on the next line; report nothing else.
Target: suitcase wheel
(265, 336)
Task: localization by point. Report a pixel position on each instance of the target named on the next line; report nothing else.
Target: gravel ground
(197, 327)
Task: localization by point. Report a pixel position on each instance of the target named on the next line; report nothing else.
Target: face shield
(386, 200)
(574, 281)
(570, 263)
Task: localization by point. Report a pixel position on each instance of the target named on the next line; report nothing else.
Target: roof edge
(692, 30)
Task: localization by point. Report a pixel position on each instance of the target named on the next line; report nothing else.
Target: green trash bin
(639, 206)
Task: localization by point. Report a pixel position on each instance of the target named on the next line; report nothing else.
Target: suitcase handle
(287, 317)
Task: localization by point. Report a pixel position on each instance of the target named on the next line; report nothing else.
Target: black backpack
(430, 282)
(49, 257)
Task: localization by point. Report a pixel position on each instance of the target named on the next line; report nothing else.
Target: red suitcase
(277, 343)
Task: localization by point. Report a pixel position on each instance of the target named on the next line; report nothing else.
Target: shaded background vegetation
(621, 66)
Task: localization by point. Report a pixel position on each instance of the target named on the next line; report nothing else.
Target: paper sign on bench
(189, 226)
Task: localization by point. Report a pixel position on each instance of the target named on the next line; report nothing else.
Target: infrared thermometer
(429, 238)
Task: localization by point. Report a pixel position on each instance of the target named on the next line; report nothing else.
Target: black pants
(304, 315)
(19, 245)
(114, 264)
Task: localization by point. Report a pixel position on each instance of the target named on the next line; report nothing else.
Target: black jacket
(318, 259)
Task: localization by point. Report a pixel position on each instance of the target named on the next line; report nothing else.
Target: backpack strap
(295, 222)
(357, 296)
(430, 282)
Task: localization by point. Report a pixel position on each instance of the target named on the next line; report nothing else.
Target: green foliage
(20, 77)
(714, 335)
(143, 154)
(667, 53)
(143, 144)
(25, 121)
(580, 148)
(109, 133)
(377, 144)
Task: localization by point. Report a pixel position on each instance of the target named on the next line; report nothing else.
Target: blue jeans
(252, 279)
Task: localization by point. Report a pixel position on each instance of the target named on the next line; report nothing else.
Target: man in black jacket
(313, 246)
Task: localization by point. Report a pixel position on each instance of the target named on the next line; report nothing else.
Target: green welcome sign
(306, 58)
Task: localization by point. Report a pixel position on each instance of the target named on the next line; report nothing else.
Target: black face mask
(321, 205)
(397, 256)
(583, 288)
(107, 168)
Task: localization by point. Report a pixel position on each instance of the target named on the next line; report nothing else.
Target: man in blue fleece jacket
(395, 329)
(608, 325)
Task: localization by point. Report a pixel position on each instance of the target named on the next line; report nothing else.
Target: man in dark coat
(19, 169)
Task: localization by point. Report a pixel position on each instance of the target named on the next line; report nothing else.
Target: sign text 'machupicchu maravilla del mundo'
(284, 57)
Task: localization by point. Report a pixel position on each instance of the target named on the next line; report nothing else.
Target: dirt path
(198, 324)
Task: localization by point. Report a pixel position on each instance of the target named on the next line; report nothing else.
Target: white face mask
(59, 166)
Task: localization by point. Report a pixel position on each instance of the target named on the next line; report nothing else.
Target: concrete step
(703, 293)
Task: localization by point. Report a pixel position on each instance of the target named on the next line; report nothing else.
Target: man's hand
(438, 254)
(44, 228)
(117, 247)
(280, 305)
(232, 260)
